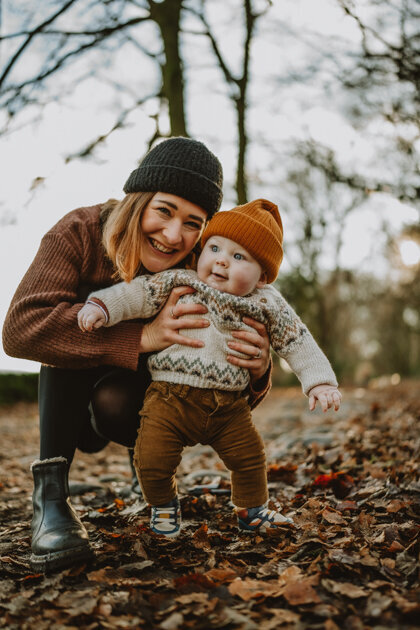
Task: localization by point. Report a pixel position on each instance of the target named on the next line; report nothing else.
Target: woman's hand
(164, 330)
(256, 345)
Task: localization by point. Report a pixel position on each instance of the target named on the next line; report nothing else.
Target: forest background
(313, 105)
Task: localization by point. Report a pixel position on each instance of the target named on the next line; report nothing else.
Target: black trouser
(67, 399)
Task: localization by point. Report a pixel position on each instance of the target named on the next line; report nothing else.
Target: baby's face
(227, 266)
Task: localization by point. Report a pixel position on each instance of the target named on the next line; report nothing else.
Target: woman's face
(170, 227)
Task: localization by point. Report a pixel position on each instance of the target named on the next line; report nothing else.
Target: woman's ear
(262, 281)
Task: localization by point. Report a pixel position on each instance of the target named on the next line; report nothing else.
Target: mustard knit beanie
(257, 227)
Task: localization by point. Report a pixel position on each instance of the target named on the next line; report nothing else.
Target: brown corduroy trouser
(174, 416)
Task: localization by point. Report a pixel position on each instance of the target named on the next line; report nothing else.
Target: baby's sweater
(207, 367)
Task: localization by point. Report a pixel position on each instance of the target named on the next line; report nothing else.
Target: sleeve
(292, 341)
(259, 390)
(41, 324)
(141, 298)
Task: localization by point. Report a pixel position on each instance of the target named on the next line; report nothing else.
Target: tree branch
(31, 35)
(119, 124)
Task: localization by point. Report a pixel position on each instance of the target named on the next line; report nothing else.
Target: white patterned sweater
(207, 367)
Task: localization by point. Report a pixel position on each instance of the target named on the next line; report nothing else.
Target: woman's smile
(161, 248)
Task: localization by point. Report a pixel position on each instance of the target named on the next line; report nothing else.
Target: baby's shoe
(259, 519)
(166, 519)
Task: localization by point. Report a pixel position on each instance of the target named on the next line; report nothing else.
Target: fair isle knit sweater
(207, 367)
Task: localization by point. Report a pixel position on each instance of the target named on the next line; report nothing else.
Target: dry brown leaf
(301, 592)
(333, 517)
(173, 622)
(395, 506)
(280, 617)
(201, 538)
(221, 576)
(108, 575)
(254, 589)
(192, 598)
(77, 603)
(291, 574)
(345, 588)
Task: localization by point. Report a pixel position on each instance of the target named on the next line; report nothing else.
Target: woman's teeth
(160, 247)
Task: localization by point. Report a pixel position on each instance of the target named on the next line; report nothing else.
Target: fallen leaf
(248, 589)
(77, 603)
(221, 576)
(333, 517)
(377, 603)
(280, 616)
(192, 598)
(395, 506)
(347, 505)
(201, 538)
(345, 588)
(340, 482)
(173, 622)
(395, 546)
(301, 592)
(291, 574)
(197, 579)
(286, 473)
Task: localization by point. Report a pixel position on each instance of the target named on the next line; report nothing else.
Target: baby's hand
(327, 395)
(90, 317)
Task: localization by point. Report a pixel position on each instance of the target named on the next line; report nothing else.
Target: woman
(92, 386)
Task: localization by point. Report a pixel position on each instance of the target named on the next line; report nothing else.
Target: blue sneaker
(166, 519)
(259, 519)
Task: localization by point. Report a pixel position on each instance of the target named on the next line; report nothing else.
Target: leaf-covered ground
(349, 480)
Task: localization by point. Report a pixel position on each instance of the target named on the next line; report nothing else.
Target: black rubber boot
(59, 539)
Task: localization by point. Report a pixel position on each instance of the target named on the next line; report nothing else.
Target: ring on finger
(171, 312)
(258, 355)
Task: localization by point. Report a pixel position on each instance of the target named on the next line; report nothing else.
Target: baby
(196, 396)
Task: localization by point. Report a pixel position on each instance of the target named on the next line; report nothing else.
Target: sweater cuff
(97, 302)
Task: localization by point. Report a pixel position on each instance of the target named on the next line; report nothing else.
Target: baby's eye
(214, 248)
(238, 256)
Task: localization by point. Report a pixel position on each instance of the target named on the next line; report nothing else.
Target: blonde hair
(121, 235)
(122, 232)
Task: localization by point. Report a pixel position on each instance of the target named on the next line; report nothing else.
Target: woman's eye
(238, 256)
(164, 211)
(194, 225)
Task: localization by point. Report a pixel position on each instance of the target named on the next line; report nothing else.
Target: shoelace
(272, 516)
(164, 510)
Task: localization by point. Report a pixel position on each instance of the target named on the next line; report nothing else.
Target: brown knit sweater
(41, 323)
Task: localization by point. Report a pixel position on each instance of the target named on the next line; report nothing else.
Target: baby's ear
(262, 281)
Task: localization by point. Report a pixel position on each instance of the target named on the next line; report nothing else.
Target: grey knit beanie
(182, 167)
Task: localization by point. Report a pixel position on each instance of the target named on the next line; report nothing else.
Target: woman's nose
(173, 233)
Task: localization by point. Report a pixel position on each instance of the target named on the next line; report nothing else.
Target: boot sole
(60, 559)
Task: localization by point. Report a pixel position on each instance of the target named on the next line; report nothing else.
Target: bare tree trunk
(238, 86)
(241, 179)
(167, 16)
